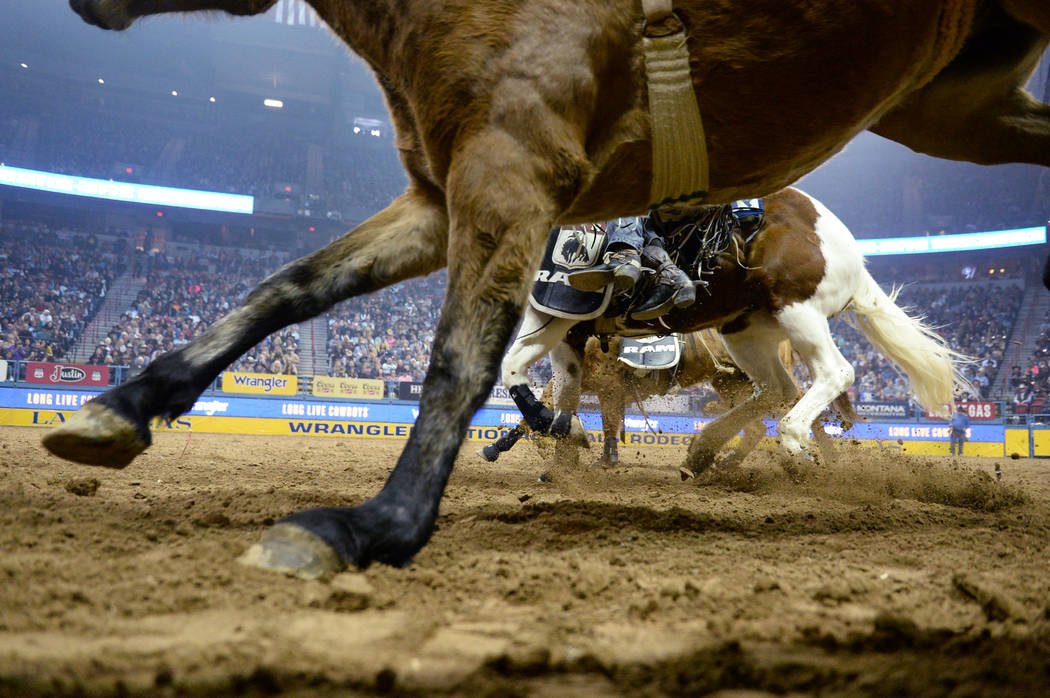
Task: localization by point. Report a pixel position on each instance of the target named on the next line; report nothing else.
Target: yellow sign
(259, 383)
(359, 388)
(201, 424)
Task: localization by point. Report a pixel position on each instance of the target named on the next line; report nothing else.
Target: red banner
(979, 411)
(67, 374)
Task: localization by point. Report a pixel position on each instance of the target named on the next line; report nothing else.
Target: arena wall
(225, 414)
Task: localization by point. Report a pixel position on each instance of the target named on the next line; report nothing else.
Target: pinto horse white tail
(929, 363)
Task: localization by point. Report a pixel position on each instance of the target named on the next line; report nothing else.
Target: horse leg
(807, 328)
(612, 404)
(733, 390)
(406, 239)
(976, 109)
(754, 350)
(538, 335)
(491, 452)
(503, 199)
(567, 365)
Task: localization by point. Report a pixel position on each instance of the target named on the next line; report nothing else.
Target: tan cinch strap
(680, 165)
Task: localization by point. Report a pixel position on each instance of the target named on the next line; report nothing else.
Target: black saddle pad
(569, 249)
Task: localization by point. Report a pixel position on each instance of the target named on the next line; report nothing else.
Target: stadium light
(23, 65)
(953, 243)
(273, 103)
(125, 191)
(174, 93)
(211, 99)
(101, 81)
(357, 129)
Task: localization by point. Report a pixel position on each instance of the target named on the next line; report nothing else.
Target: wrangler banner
(259, 383)
(358, 388)
(67, 374)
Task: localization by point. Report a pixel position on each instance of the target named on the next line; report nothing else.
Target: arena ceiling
(198, 55)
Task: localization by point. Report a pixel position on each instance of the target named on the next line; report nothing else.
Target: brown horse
(704, 359)
(513, 116)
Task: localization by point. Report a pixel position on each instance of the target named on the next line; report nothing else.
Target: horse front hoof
(289, 549)
(96, 435)
(577, 435)
(685, 473)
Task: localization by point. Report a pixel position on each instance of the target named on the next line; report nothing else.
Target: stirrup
(622, 268)
(681, 297)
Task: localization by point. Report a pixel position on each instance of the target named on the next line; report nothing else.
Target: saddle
(571, 248)
(693, 243)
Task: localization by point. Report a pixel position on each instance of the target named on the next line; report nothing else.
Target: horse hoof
(577, 435)
(686, 474)
(96, 435)
(485, 453)
(294, 551)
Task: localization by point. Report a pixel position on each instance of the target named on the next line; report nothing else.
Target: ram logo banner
(259, 383)
(67, 374)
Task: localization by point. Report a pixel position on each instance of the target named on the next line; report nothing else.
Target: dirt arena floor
(886, 575)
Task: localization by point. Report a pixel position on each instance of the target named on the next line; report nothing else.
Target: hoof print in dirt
(85, 487)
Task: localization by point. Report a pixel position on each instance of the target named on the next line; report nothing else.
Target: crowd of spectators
(974, 320)
(388, 334)
(52, 283)
(1030, 382)
(182, 297)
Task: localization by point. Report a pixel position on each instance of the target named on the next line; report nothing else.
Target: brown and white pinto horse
(516, 116)
(803, 267)
(704, 359)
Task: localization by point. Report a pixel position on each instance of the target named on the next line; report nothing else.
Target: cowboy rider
(633, 241)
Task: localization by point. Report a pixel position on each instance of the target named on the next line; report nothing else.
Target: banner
(259, 383)
(890, 410)
(407, 390)
(360, 388)
(67, 374)
(982, 411)
(3, 370)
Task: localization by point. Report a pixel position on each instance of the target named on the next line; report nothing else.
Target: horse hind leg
(406, 239)
(754, 349)
(976, 109)
(831, 374)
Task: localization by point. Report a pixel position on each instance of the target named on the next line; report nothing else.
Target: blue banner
(655, 427)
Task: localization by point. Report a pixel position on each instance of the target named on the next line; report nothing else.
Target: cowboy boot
(673, 289)
(623, 267)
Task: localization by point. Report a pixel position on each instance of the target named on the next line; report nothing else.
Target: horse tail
(931, 365)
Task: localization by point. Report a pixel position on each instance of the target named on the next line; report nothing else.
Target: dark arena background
(149, 180)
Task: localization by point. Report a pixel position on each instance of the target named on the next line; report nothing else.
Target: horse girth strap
(679, 147)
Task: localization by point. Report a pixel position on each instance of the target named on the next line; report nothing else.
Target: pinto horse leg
(831, 373)
(538, 335)
(502, 204)
(406, 239)
(567, 381)
(754, 349)
(976, 109)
